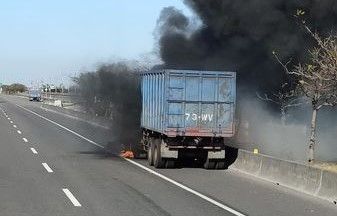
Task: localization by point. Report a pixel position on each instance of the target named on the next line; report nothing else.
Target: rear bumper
(175, 133)
(34, 98)
(172, 133)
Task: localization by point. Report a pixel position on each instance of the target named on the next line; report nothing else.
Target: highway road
(51, 164)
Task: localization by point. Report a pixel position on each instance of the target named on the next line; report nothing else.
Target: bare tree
(317, 79)
(284, 98)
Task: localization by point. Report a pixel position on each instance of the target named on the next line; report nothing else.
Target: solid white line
(25, 140)
(33, 150)
(19, 132)
(14, 126)
(71, 197)
(220, 205)
(11, 122)
(76, 118)
(45, 165)
(63, 127)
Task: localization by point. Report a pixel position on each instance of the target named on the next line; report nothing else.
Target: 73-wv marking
(202, 117)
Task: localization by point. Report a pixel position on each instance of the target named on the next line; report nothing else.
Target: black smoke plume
(241, 35)
(113, 92)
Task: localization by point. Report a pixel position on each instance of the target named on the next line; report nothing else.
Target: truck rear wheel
(209, 164)
(170, 164)
(220, 165)
(150, 152)
(158, 161)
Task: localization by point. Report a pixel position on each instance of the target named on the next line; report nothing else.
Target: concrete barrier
(328, 188)
(58, 103)
(297, 176)
(248, 162)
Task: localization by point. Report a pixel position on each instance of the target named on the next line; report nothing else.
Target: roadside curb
(301, 177)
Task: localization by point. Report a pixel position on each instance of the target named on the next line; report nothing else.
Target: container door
(175, 105)
(201, 103)
(226, 104)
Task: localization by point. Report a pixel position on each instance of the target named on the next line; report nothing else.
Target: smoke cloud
(113, 91)
(262, 129)
(241, 36)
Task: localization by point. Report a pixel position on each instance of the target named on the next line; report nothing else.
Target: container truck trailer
(187, 114)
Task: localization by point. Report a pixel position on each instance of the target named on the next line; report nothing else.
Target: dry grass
(329, 166)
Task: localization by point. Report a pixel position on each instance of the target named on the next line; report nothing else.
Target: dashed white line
(63, 127)
(11, 122)
(204, 197)
(9, 118)
(24, 139)
(71, 197)
(14, 126)
(33, 150)
(19, 132)
(46, 166)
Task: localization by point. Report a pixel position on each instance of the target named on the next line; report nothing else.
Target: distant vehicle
(187, 114)
(34, 95)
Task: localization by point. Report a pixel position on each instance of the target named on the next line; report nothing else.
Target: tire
(170, 164)
(150, 152)
(220, 165)
(209, 164)
(158, 161)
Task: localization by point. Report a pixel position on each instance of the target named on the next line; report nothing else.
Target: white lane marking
(9, 118)
(11, 122)
(63, 127)
(71, 197)
(76, 118)
(45, 165)
(208, 199)
(19, 132)
(214, 202)
(33, 150)
(14, 126)
(25, 140)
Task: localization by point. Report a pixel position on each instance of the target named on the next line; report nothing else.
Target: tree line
(14, 88)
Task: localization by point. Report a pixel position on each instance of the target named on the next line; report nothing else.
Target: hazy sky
(51, 40)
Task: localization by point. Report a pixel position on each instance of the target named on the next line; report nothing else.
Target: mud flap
(167, 153)
(216, 155)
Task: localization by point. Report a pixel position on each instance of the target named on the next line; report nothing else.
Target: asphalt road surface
(51, 164)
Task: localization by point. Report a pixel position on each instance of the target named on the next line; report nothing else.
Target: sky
(50, 41)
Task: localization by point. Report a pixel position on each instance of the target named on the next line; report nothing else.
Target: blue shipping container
(189, 103)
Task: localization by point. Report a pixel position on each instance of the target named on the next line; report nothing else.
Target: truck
(187, 114)
(34, 95)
